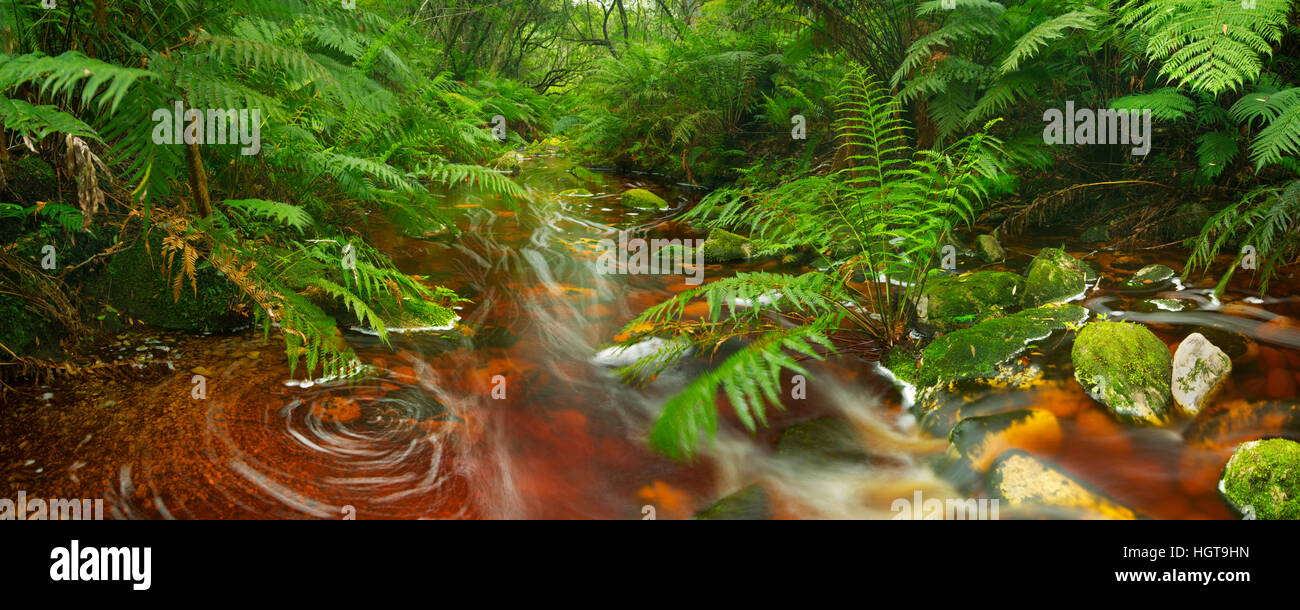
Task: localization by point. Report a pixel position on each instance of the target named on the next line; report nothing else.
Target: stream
(427, 433)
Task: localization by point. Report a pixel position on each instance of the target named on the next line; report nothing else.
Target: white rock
(1199, 370)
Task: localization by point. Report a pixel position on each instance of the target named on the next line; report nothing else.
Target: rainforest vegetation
(853, 144)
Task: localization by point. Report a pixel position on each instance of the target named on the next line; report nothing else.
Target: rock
(1023, 481)
(202, 370)
(822, 441)
(723, 246)
(336, 409)
(1262, 479)
(1053, 277)
(977, 351)
(949, 303)
(1126, 368)
(1150, 277)
(1094, 234)
(579, 192)
(1090, 275)
(939, 409)
(748, 504)
(643, 199)
(989, 248)
(1239, 347)
(585, 175)
(619, 356)
(1155, 305)
(1199, 370)
(982, 439)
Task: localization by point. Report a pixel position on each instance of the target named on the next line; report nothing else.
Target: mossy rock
(822, 441)
(1126, 368)
(977, 351)
(1158, 305)
(989, 248)
(1262, 479)
(724, 246)
(748, 504)
(1024, 481)
(949, 303)
(136, 286)
(644, 200)
(1054, 277)
(586, 175)
(1094, 234)
(578, 192)
(1150, 277)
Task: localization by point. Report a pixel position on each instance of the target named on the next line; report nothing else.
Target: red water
(424, 436)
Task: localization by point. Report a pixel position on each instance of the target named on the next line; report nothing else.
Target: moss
(137, 287)
(989, 248)
(1054, 276)
(958, 302)
(977, 351)
(586, 175)
(1263, 477)
(748, 504)
(1126, 368)
(722, 246)
(643, 199)
(1150, 277)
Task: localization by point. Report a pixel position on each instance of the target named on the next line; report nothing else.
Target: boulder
(748, 504)
(982, 439)
(1024, 481)
(1262, 479)
(1158, 305)
(1126, 368)
(1054, 277)
(723, 246)
(948, 303)
(989, 248)
(977, 352)
(1199, 370)
(644, 200)
(822, 441)
(1150, 277)
(1094, 234)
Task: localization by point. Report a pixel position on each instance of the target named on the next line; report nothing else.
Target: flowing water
(424, 434)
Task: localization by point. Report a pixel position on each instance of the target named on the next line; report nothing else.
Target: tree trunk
(198, 180)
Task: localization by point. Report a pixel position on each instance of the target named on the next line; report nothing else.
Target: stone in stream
(823, 441)
(1157, 305)
(982, 439)
(748, 504)
(585, 174)
(977, 352)
(1242, 349)
(949, 303)
(989, 248)
(940, 408)
(644, 200)
(724, 246)
(1262, 480)
(1199, 369)
(1024, 481)
(1150, 277)
(1094, 234)
(1126, 368)
(1053, 277)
